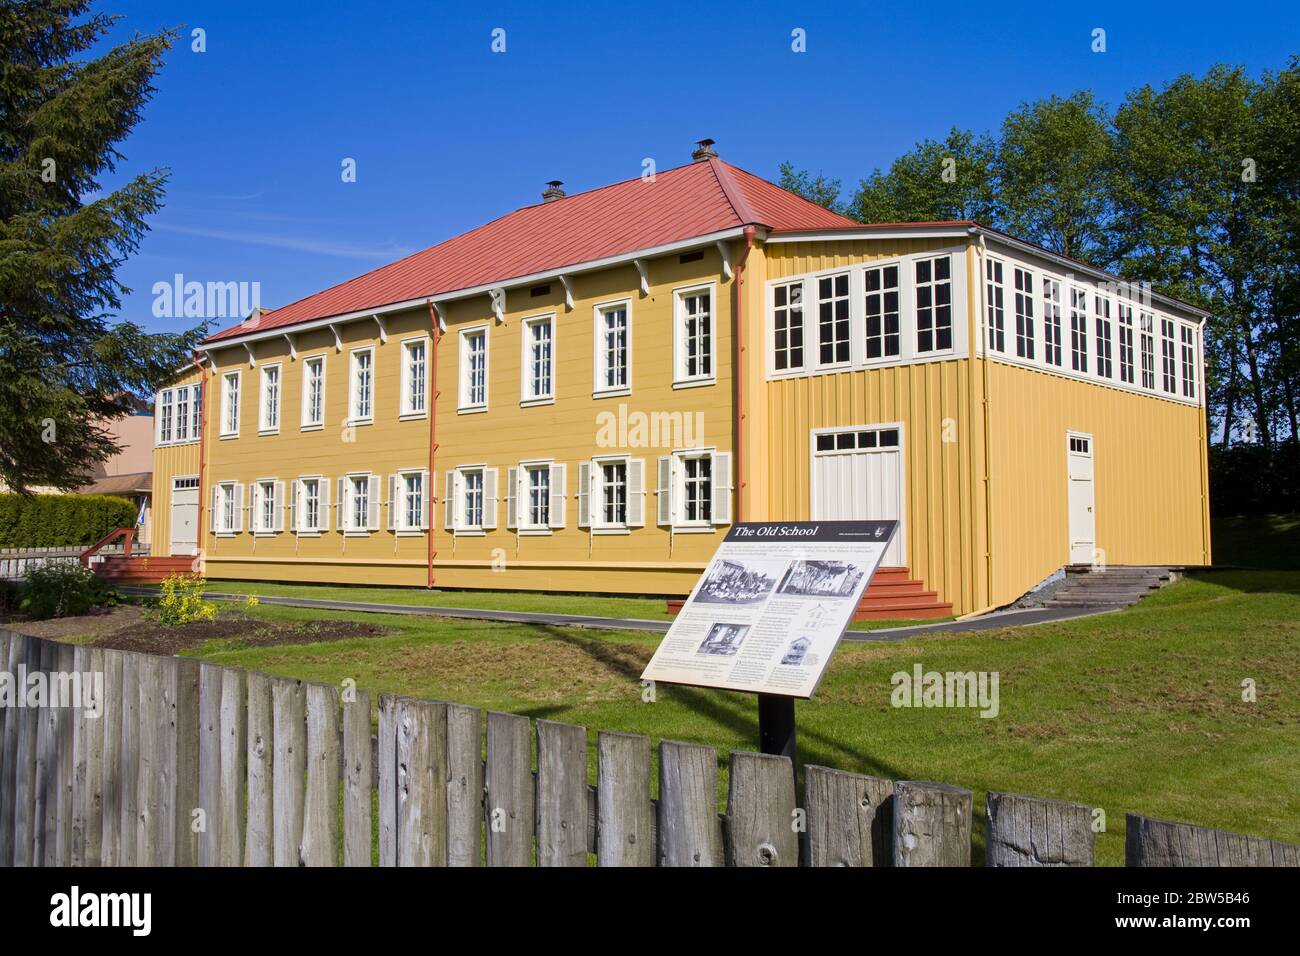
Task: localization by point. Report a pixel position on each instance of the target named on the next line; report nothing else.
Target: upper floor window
(787, 342)
(693, 335)
(230, 404)
(1078, 329)
(166, 415)
(1146, 341)
(1104, 364)
(1189, 361)
(183, 414)
(613, 348)
(1126, 343)
(361, 395)
(833, 319)
(995, 303)
(269, 415)
(1168, 362)
(473, 369)
(1024, 283)
(415, 377)
(538, 383)
(881, 291)
(1052, 321)
(933, 304)
(313, 392)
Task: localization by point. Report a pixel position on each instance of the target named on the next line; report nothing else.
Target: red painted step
(892, 593)
(141, 570)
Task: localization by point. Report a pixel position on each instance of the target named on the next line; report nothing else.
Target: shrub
(56, 521)
(1254, 479)
(182, 601)
(63, 589)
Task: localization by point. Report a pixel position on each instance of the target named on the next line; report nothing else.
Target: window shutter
(216, 503)
(512, 497)
(584, 494)
(721, 476)
(449, 502)
(392, 502)
(342, 505)
(372, 499)
(636, 493)
(279, 506)
(489, 498)
(665, 490)
(426, 496)
(293, 506)
(323, 509)
(558, 498)
(254, 509)
(238, 489)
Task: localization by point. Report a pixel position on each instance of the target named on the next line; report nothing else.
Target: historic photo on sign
(724, 639)
(738, 582)
(821, 579)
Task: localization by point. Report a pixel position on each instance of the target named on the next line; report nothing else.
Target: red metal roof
(678, 204)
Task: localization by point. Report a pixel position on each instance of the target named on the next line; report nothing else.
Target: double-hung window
(230, 404)
(269, 403)
(313, 392)
(473, 369)
(311, 508)
(787, 341)
(995, 304)
(535, 497)
(1024, 283)
(266, 496)
(166, 402)
(358, 503)
(881, 299)
(196, 410)
(611, 493)
(1168, 363)
(613, 348)
(1146, 340)
(538, 363)
(833, 319)
(227, 508)
(612, 504)
(415, 377)
(1104, 365)
(933, 295)
(182, 414)
(1052, 321)
(1126, 343)
(1078, 329)
(408, 501)
(1189, 361)
(361, 396)
(693, 336)
(694, 489)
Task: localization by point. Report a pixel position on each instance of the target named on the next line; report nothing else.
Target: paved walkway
(1014, 618)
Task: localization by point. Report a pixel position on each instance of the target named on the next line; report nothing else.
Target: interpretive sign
(769, 609)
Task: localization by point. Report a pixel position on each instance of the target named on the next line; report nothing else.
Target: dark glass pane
(889, 438)
(923, 271)
(941, 268)
(866, 439)
(844, 440)
(825, 442)
(824, 288)
(842, 285)
(891, 277)
(873, 280)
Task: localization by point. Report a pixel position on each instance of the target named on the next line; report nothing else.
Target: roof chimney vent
(704, 150)
(553, 191)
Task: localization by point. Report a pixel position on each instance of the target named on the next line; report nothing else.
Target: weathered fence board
(320, 822)
(234, 725)
(850, 818)
(289, 770)
(66, 717)
(561, 794)
(129, 805)
(932, 824)
(110, 770)
(509, 807)
(11, 718)
(209, 764)
(185, 786)
(1149, 842)
(258, 849)
(357, 758)
(88, 793)
(1035, 831)
(149, 763)
(761, 806)
(386, 759)
(690, 833)
(624, 813)
(465, 787)
(27, 747)
(421, 783)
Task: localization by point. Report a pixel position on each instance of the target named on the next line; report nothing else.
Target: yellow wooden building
(583, 394)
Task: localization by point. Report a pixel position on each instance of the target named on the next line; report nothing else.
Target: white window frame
(408, 411)
(993, 331)
(397, 503)
(599, 367)
(527, 397)
(596, 494)
(680, 377)
(882, 359)
(488, 500)
(347, 523)
(849, 297)
(954, 319)
(720, 471)
(463, 404)
(237, 375)
(166, 415)
(1078, 308)
(229, 500)
(790, 285)
(322, 506)
(524, 497)
(264, 406)
(354, 392)
(308, 362)
(257, 510)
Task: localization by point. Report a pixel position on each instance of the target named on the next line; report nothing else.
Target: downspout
(433, 433)
(739, 271)
(203, 443)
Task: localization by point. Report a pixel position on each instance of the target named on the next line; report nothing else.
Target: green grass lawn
(1139, 710)
(645, 609)
(1265, 541)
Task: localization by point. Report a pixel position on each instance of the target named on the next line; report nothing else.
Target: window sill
(694, 529)
(469, 532)
(612, 392)
(535, 532)
(318, 427)
(268, 431)
(409, 533)
(313, 533)
(226, 534)
(411, 416)
(265, 534)
(471, 410)
(696, 382)
(356, 534)
(618, 530)
(228, 435)
(531, 402)
(360, 421)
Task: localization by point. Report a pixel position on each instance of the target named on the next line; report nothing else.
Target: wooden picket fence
(190, 763)
(15, 563)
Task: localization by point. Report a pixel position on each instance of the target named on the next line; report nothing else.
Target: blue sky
(447, 134)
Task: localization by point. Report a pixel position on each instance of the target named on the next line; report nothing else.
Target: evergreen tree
(66, 367)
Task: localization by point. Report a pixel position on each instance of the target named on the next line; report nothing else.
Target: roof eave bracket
(252, 359)
(498, 304)
(725, 252)
(338, 339)
(645, 275)
(383, 329)
(568, 292)
(293, 346)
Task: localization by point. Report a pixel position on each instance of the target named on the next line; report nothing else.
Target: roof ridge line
(733, 192)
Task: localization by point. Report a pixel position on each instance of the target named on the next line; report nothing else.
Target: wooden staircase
(892, 594)
(140, 570)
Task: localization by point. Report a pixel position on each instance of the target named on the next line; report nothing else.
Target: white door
(857, 475)
(185, 517)
(1083, 521)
